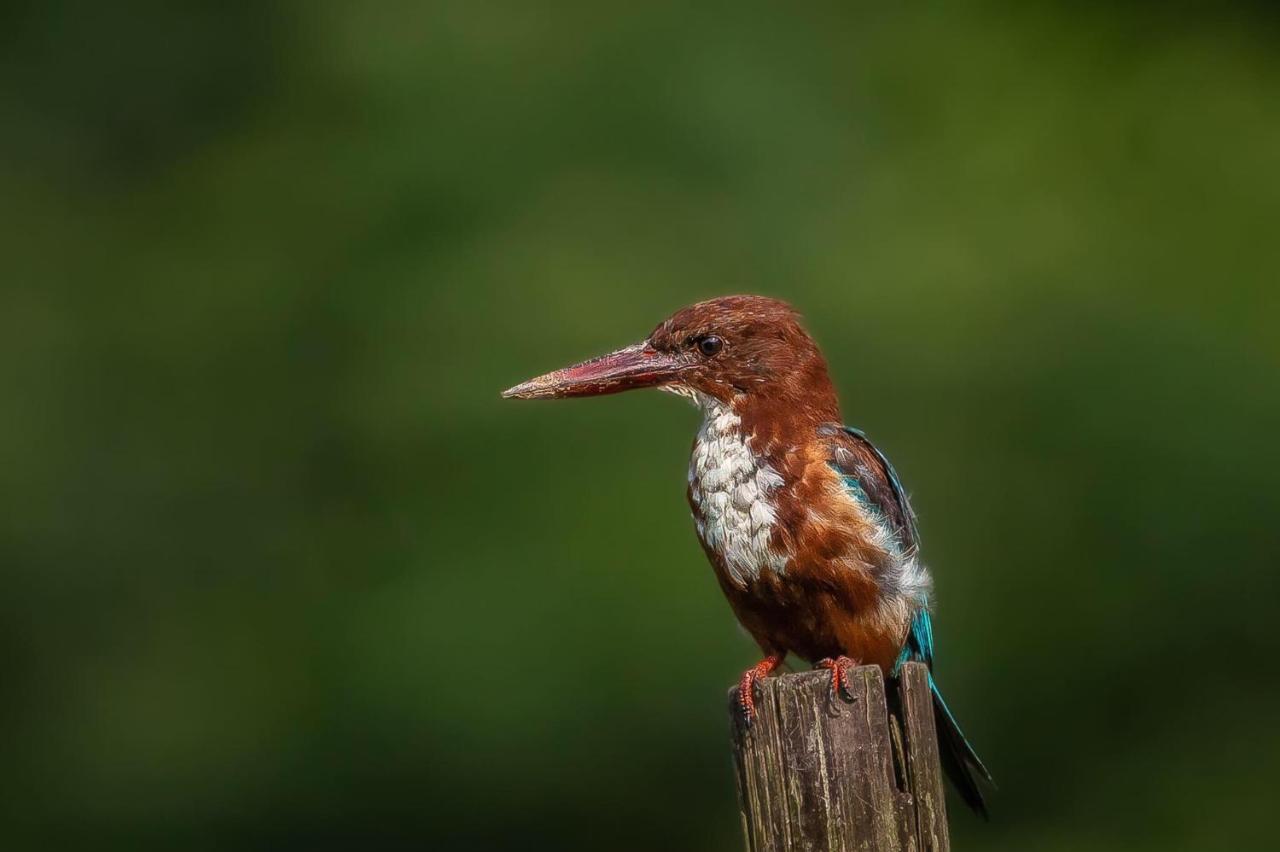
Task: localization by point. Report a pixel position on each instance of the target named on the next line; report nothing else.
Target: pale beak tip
(524, 390)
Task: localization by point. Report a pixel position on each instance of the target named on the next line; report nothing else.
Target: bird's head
(730, 349)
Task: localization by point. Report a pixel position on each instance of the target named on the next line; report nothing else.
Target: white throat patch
(731, 490)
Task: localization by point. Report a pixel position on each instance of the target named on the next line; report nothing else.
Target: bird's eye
(710, 345)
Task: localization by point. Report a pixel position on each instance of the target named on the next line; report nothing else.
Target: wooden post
(821, 773)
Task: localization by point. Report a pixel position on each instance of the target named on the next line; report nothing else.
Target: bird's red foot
(840, 668)
(747, 685)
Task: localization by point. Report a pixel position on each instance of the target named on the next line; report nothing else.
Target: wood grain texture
(817, 772)
(924, 773)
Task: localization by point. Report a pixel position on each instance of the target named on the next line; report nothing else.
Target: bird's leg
(747, 684)
(840, 668)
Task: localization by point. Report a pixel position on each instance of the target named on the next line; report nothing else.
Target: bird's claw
(746, 696)
(841, 668)
(747, 686)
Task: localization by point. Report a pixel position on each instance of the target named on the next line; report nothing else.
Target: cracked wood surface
(817, 772)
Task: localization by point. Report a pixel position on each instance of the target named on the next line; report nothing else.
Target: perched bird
(805, 522)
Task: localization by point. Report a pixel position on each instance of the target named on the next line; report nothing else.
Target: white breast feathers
(731, 491)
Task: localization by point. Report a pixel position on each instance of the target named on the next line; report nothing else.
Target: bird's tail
(959, 760)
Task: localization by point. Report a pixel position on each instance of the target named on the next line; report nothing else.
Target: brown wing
(871, 479)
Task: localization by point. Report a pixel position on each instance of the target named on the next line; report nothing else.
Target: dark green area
(281, 570)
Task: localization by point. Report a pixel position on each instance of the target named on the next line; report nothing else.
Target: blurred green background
(280, 570)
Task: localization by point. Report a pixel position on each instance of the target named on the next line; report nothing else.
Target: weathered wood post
(816, 772)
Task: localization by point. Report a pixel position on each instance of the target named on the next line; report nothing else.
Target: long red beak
(637, 366)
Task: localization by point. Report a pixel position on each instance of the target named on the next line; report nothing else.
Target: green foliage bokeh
(280, 569)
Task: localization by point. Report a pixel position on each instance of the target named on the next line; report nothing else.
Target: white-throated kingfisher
(805, 522)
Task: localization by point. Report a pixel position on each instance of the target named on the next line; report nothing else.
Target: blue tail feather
(959, 760)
